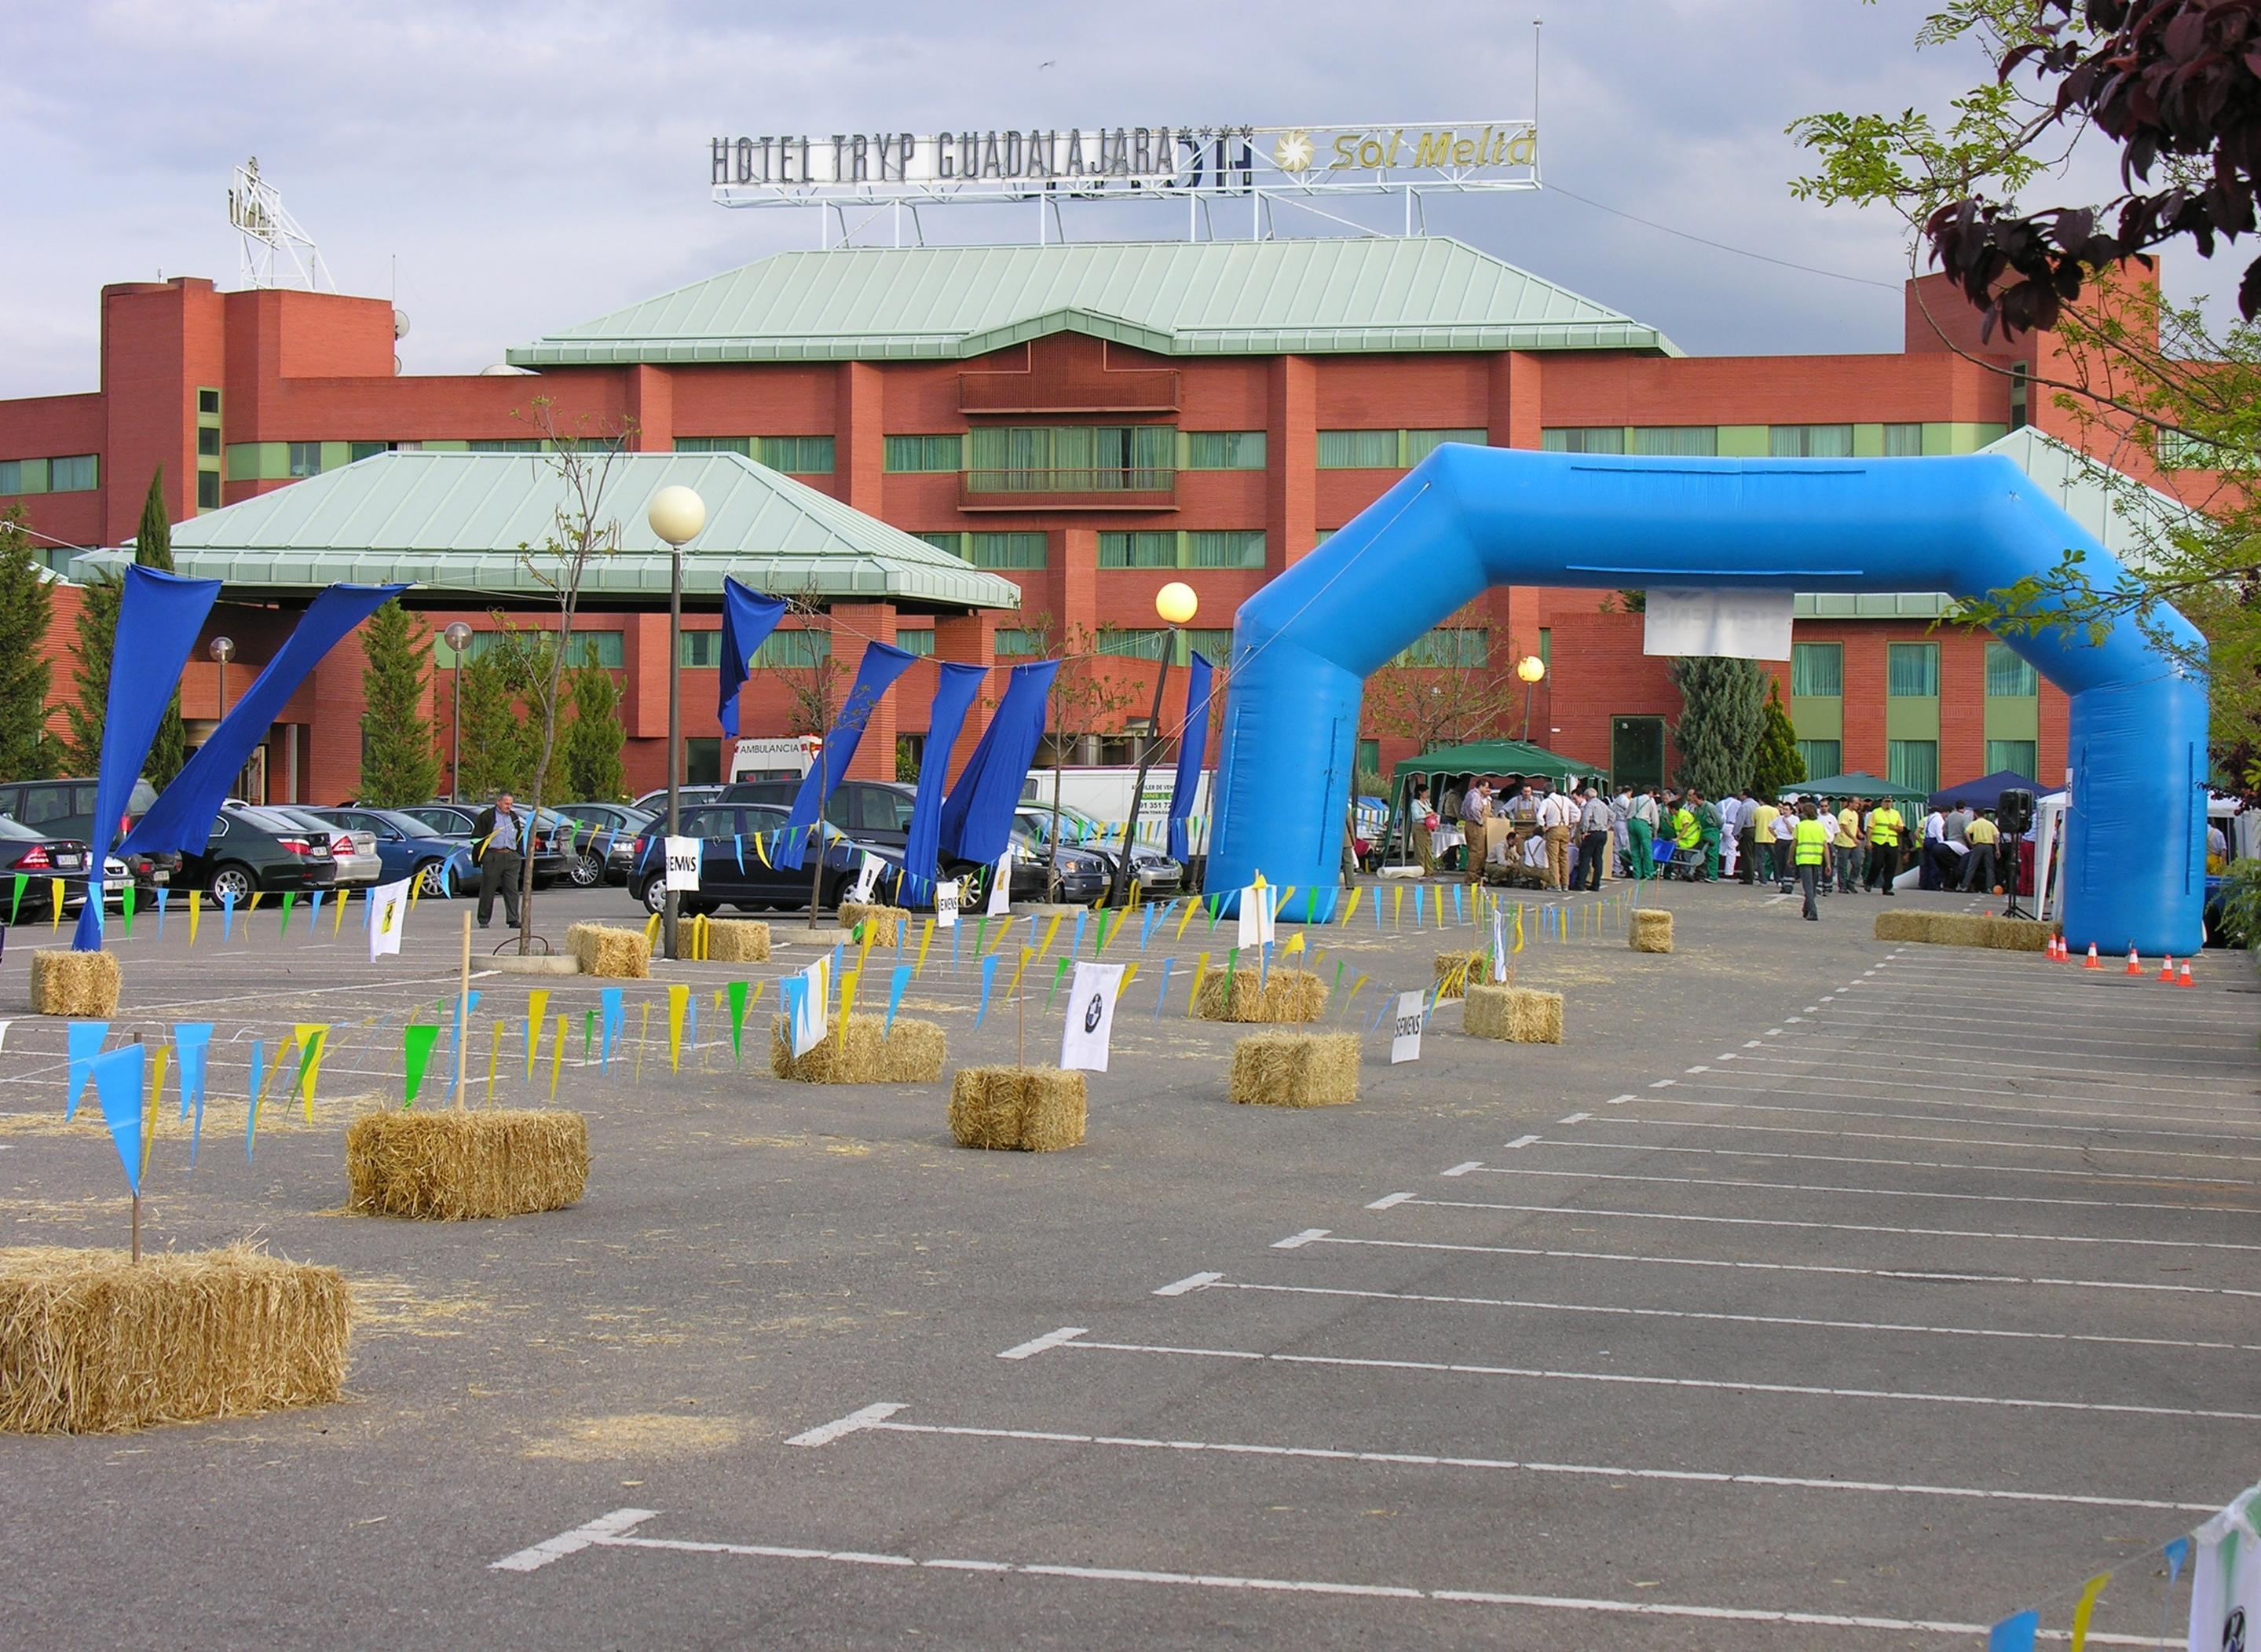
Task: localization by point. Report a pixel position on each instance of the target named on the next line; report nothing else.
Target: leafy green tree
(1777, 763)
(27, 750)
(595, 738)
(399, 766)
(89, 702)
(152, 548)
(492, 735)
(1722, 715)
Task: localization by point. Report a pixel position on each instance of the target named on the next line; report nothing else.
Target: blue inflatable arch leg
(1467, 519)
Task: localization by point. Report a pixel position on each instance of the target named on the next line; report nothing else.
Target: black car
(40, 860)
(723, 830)
(613, 827)
(549, 835)
(252, 849)
(65, 809)
(1084, 873)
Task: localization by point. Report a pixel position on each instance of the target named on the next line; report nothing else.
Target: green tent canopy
(1486, 757)
(1859, 783)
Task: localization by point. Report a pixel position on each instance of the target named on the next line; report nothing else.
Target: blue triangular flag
(614, 1011)
(988, 974)
(739, 839)
(251, 1113)
(2014, 1635)
(1165, 992)
(164, 894)
(117, 1085)
(192, 1042)
(228, 914)
(900, 979)
(1075, 947)
(85, 1044)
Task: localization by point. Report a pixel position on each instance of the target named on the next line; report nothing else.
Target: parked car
(352, 850)
(406, 847)
(40, 859)
(876, 812)
(65, 808)
(550, 833)
(612, 826)
(1083, 871)
(258, 849)
(1157, 873)
(655, 802)
(720, 828)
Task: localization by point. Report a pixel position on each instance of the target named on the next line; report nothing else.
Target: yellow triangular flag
(926, 936)
(338, 917)
(1351, 906)
(1294, 944)
(651, 931)
(55, 899)
(557, 1055)
(1129, 974)
(149, 1113)
(849, 981)
(679, 998)
(1052, 933)
(536, 1001)
(1396, 903)
(196, 913)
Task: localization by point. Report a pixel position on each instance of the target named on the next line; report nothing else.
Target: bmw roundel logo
(2233, 1630)
(1091, 1025)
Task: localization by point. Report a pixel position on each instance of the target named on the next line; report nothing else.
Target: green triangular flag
(1058, 975)
(1232, 965)
(588, 1034)
(15, 904)
(737, 1019)
(289, 900)
(417, 1043)
(128, 910)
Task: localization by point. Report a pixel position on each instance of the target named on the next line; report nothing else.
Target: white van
(1104, 794)
(787, 758)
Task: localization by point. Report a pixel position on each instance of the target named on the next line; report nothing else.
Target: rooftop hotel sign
(1099, 162)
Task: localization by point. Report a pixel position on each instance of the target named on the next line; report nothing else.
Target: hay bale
(1965, 929)
(1652, 930)
(890, 921)
(1019, 1108)
(450, 1166)
(1295, 1069)
(737, 941)
(1462, 969)
(92, 1343)
(607, 950)
(1518, 1015)
(864, 1051)
(1287, 995)
(75, 984)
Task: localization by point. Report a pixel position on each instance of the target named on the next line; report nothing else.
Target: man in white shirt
(1785, 839)
(1554, 816)
(1620, 819)
(1933, 872)
(1731, 831)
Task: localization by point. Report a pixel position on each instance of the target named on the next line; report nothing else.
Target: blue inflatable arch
(1467, 519)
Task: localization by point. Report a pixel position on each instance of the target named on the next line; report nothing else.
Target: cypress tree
(89, 703)
(27, 750)
(152, 548)
(493, 734)
(399, 766)
(1777, 763)
(595, 738)
(1723, 713)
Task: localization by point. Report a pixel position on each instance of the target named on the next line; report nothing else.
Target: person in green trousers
(1707, 833)
(1640, 833)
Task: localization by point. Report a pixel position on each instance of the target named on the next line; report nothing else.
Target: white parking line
(1177, 1288)
(1830, 1227)
(618, 1523)
(1664, 1084)
(1462, 1169)
(1576, 1117)
(1634, 1379)
(2149, 1179)
(1614, 1100)
(1956, 1141)
(1880, 1192)
(1426, 1460)
(825, 1433)
(1790, 1073)
(1522, 1141)
(1921, 1275)
(1049, 1340)
(604, 1528)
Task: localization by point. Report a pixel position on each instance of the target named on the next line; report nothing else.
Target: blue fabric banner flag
(159, 616)
(615, 1010)
(1193, 745)
(977, 816)
(988, 975)
(882, 663)
(85, 1044)
(251, 1113)
(117, 1085)
(897, 980)
(182, 817)
(960, 684)
(747, 619)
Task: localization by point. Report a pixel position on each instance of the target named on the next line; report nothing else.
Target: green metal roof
(1175, 299)
(453, 523)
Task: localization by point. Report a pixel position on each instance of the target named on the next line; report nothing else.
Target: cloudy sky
(505, 168)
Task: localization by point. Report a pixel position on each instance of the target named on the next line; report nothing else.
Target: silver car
(353, 852)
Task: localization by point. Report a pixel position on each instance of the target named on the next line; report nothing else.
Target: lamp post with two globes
(1176, 603)
(676, 515)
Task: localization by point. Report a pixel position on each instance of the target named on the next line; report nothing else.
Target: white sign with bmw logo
(1090, 1016)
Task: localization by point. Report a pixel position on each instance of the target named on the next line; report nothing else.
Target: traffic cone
(2167, 968)
(2184, 979)
(2093, 961)
(2134, 964)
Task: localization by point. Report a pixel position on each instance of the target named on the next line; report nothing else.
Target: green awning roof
(1348, 293)
(454, 524)
(1489, 757)
(1858, 783)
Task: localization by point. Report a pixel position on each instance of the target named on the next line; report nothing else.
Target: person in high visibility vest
(1885, 828)
(1810, 847)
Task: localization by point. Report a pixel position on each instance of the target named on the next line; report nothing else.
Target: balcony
(1114, 488)
(1070, 387)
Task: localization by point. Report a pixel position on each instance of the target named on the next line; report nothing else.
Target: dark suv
(875, 811)
(65, 809)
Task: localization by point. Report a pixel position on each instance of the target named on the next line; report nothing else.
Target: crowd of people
(1567, 837)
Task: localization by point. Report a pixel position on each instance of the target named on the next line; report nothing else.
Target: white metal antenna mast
(276, 251)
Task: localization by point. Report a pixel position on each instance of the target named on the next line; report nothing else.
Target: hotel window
(74, 473)
(1018, 642)
(2016, 755)
(306, 459)
(2008, 678)
(699, 650)
(1912, 763)
(1369, 757)
(23, 475)
(742, 446)
(1419, 444)
(1810, 441)
(1903, 441)
(1817, 669)
(1005, 550)
(604, 649)
(208, 442)
(1449, 645)
(207, 489)
(792, 650)
(1224, 548)
(795, 456)
(1912, 671)
(1583, 439)
(918, 642)
(1357, 450)
(1823, 758)
(1138, 550)
(1073, 457)
(1676, 442)
(1224, 450)
(208, 401)
(356, 452)
(910, 455)
(1135, 642)
(505, 445)
(1214, 645)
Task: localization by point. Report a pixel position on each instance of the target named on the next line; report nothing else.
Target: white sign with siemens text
(683, 863)
(945, 903)
(1405, 1028)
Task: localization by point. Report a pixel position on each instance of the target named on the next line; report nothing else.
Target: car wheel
(231, 883)
(587, 871)
(431, 877)
(653, 894)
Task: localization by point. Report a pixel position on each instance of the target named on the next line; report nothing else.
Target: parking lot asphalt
(1815, 1288)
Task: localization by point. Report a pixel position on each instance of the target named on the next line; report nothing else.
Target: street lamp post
(676, 515)
(222, 649)
(458, 637)
(1176, 603)
(1531, 667)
